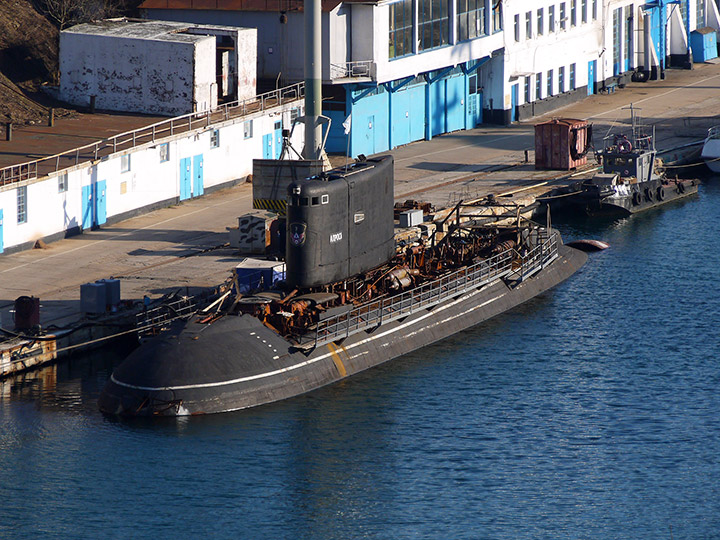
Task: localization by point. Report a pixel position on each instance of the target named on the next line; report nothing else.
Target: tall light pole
(313, 80)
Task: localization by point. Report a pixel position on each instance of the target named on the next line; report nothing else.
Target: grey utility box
(93, 298)
(411, 218)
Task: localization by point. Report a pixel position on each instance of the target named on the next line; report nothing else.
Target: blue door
(100, 203)
(198, 183)
(185, 178)
(513, 102)
(655, 32)
(1, 231)
(616, 41)
(87, 205)
(278, 139)
(591, 77)
(370, 135)
(437, 107)
(627, 49)
(455, 103)
(268, 146)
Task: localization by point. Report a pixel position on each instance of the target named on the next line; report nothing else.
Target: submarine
(351, 298)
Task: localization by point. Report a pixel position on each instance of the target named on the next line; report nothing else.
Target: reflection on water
(588, 412)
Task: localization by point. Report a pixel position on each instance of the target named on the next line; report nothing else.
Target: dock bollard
(92, 104)
(51, 117)
(8, 131)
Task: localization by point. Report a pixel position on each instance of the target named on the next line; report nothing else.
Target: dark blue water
(591, 412)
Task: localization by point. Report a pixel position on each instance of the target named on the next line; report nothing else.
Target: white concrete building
(154, 174)
(412, 69)
(156, 67)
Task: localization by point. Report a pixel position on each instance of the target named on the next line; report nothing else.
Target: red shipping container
(562, 144)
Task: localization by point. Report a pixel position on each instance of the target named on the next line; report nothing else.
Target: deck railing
(148, 134)
(148, 321)
(351, 70)
(509, 263)
(384, 310)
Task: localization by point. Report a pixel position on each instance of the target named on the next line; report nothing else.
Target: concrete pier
(181, 247)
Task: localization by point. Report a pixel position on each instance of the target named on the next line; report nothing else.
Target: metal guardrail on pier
(148, 134)
(384, 310)
(149, 320)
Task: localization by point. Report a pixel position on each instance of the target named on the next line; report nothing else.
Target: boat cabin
(629, 158)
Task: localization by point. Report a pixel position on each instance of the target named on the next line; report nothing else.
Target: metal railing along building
(148, 134)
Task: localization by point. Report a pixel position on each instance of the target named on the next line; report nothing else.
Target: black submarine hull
(238, 363)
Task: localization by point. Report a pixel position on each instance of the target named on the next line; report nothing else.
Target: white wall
(552, 50)
(246, 55)
(127, 74)
(148, 181)
(205, 85)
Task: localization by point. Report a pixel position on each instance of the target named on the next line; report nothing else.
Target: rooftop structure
(156, 67)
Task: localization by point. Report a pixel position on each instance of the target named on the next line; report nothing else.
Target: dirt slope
(28, 57)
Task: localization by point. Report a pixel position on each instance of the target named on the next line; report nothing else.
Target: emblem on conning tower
(297, 233)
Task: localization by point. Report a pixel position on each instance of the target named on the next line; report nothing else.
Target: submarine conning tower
(340, 223)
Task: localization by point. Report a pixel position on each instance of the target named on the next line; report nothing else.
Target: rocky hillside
(29, 50)
(28, 57)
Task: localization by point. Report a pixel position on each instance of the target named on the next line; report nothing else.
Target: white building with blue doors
(406, 70)
(156, 166)
(403, 70)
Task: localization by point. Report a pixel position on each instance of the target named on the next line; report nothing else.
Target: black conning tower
(340, 224)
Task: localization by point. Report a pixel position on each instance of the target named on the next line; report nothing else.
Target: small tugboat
(352, 297)
(711, 149)
(632, 179)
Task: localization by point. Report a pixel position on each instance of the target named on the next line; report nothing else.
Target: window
(125, 163)
(540, 22)
(551, 19)
(583, 10)
(248, 129)
(700, 13)
(215, 138)
(164, 152)
(517, 27)
(324, 199)
(538, 86)
(527, 90)
(550, 82)
(573, 12)
(22, 204)
(561, 79)
(594, 9)
(528, 25)
(434, 23)
(572, 76)
(497, 17)
(62, 183)
(401, 29)
(294, 115)
(471, 19)
(563, 16)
